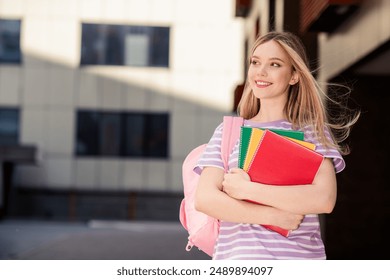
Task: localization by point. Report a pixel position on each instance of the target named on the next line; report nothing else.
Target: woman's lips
(262, 84)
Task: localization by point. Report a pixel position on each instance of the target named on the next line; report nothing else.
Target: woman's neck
(268, 118)
(271, 109)
(269, 114)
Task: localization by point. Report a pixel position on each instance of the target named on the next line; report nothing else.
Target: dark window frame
(10, 51)
(12, 136)
(150, 140)
(107, 44)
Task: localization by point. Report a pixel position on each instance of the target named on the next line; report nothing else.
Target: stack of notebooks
(278, 157)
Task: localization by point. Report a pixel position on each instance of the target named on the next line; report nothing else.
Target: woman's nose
(262, 71)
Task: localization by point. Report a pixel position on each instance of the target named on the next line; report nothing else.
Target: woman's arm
(317, 198)
(211, 200)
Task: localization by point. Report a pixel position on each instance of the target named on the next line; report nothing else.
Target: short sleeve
(327, 152)
(212, 153)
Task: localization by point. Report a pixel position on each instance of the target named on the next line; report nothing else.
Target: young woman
(280, 93)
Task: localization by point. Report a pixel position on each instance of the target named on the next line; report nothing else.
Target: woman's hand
(233, 183)
(286, 220)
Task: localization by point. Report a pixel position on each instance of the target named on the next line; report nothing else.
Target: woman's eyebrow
(272, 58)
(277, 58)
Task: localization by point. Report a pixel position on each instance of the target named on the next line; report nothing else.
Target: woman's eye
(254, 62)
(274, 64)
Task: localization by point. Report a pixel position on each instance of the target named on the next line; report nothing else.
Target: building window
(10, 41)
(9, 126)
(113, 134)
(109, 44)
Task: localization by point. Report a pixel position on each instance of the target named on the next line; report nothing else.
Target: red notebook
(280, 161)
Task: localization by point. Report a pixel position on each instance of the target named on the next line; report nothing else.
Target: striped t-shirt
(252, 241)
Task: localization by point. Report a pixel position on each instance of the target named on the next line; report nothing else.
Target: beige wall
(361, 34)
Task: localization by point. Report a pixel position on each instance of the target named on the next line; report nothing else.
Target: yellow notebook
(252, 147)
(309, 145)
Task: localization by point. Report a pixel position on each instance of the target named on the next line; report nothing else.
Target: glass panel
(92, 44)
(137, 49)
(159, 47)
(87, 141)
(9, 126)
(110, 134)
(134, 135)
(10, 41)
(114, 45)
(157, 135)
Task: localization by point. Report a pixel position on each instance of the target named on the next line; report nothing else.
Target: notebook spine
(257, 148)
(240, 149)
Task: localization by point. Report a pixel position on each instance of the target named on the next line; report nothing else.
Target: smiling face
(270, 72)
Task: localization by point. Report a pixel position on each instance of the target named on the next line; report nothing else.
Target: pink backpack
(202, 229)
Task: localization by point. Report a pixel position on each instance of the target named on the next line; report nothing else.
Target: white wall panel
(133, 174)
(87, 89)
(61, 87)
(10, 85)
(59, 173)
(85, 173)
(35, 88)
(108, 174)
(60, 132)
(33, 127)
(157, 175)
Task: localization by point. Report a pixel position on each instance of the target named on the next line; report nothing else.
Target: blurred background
(101, 100)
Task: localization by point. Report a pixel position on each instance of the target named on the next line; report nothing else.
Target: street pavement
(94, 240)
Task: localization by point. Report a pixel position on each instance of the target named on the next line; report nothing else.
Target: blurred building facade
(114, 94)
(357, 53)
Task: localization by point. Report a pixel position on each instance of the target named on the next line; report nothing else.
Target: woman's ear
(294, 78)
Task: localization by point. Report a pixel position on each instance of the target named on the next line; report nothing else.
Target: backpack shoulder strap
(230, 134)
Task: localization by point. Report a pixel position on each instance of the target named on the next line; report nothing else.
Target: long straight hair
(307, 104)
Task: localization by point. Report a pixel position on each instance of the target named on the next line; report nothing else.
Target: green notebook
(290, 133)
(245, 138)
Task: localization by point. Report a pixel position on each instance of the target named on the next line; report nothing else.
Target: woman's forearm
(211, 200)
(217, 204)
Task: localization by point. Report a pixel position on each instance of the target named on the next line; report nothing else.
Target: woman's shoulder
(310, 133)
(327, 151)
(277, 124)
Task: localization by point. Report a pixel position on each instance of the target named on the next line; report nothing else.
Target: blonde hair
(307, 104)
